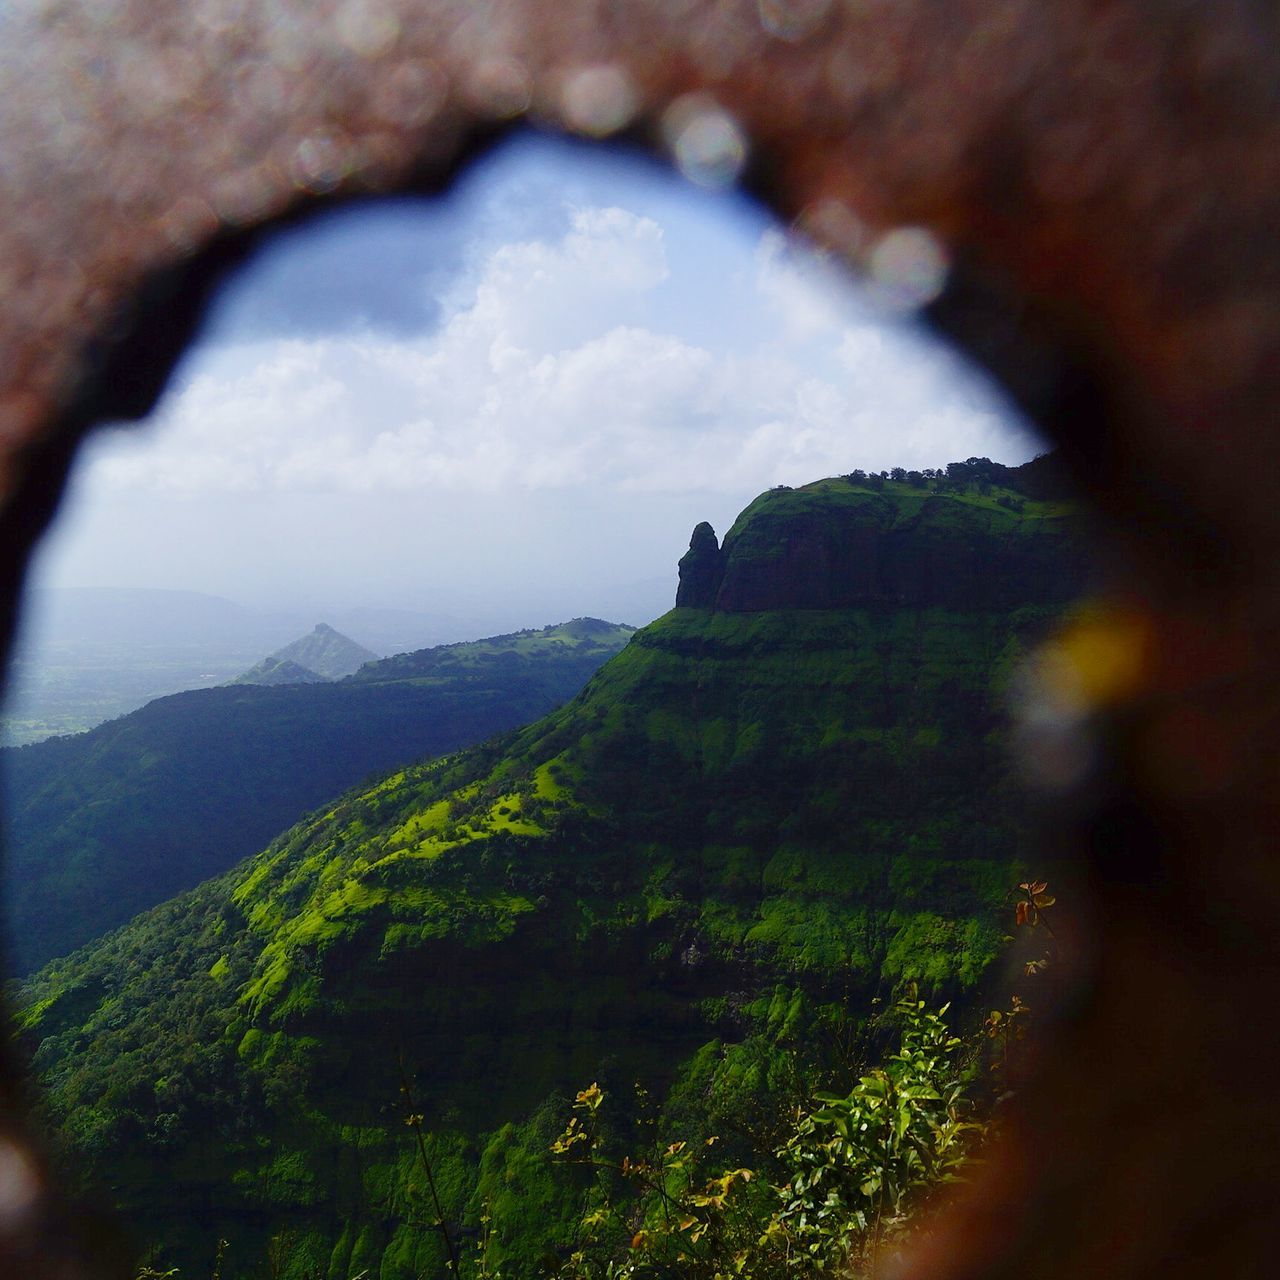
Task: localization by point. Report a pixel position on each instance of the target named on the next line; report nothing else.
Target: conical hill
(322, 654)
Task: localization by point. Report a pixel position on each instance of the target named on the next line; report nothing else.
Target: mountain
(107, 823)
(783, 798)
(325, 654)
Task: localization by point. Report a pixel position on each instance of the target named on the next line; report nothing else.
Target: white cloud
(542, 297)
(807, 294)
(546, 373)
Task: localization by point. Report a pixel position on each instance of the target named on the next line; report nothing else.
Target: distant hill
(106, 823)
(86, 655)
(325, 654)
(785, 797)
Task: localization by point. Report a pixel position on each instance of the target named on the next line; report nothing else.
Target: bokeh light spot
(908, 268)
(598, 100)
(707, 142)
(792, 20)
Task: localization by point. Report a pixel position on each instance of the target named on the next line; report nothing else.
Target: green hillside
(107, 823)
(695, 876)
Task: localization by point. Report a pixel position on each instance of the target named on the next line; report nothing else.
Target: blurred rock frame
(1099, 181)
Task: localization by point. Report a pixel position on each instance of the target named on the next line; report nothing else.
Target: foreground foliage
(849, 1178)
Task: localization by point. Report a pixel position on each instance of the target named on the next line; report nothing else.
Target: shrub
(857, 1170)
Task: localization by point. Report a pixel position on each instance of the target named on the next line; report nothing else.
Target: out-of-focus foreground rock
(1102, 182)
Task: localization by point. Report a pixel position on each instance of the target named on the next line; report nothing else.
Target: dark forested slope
(107, 823)
(755, 817)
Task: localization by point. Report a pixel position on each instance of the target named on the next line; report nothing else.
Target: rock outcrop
(701, 570)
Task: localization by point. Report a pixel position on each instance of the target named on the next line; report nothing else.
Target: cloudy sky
(529, 391)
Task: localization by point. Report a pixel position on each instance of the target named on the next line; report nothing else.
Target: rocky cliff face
(838, 544)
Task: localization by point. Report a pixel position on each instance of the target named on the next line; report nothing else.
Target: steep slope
(110, 822)
(325, 654)
(745, 826)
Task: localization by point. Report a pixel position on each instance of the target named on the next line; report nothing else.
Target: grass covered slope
(748, 823)
(110, 822)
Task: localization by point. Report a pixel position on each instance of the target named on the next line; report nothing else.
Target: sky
(528, 391)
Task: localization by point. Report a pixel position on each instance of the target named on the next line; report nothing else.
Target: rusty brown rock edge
(1103, 177)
